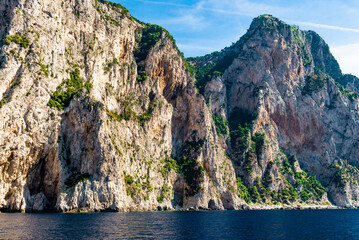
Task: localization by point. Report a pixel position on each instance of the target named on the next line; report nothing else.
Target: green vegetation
(306, 62)
(255, 196)
(258, 142)
(243, 190)
(350, 95)
(189, 67)
(295, 32)
(23, 42)
(349, 78)
(310, 186)
(88, 86)
(141, 76)
(147, 186)
(296, 186)
(44, 69)
(240, 124)
(133, 187)
(205, 74)
(110, 65)
(344, 81)
(136, 187)
(3, 102)
(117, 5)
(188, 165)
(314, 83)
(193, 174)
(193, 146)
(113, 21)
(76, 177)
(221, 125)
(151, 34)
(165, 193)
(171, 164)
(147, 115)
(119, 8)
(119, 116)
(128, 178)
(128, 114)
(345, 173)
(72, 87)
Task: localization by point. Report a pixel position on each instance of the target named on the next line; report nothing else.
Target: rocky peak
(99, 112)
(281, 84)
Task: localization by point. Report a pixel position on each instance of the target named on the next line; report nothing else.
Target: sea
(244, 224)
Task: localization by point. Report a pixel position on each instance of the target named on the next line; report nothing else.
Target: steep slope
(285, 89)
(99, 113)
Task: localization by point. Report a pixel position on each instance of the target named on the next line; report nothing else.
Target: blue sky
(204, 26)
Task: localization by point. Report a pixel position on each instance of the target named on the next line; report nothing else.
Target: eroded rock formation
(100, 112)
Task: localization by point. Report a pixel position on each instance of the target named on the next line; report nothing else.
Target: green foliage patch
(151, 34)
(314, 83)
(141, 76)
(310, 186)
(165, 193)
(3, 102)
(258, 142)
(110, 65)
(188, 165)
(128, 178)
(128, 114)
(349, 94)
(243, 190)
(72, 87)
(221, 125)
(23, 42)
(298, 186)
(116, 5)
(240, 124)
(193, 174)
(204, 75)
(171, 164)
(345, 173)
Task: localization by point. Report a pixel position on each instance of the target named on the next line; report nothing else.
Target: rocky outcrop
(286, 85)
(100, 112)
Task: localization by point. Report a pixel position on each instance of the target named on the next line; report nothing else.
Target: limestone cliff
(283, 85)
(100, 112)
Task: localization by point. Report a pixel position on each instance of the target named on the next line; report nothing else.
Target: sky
(203, 26)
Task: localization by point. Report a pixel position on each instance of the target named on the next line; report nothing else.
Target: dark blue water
(305, 224)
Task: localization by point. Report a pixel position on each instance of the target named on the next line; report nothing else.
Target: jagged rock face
(99, 112)
(289, 80)
(87, 125)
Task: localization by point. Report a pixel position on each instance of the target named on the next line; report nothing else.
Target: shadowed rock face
(98, 112)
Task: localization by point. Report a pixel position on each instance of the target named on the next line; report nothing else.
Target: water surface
(273, 224)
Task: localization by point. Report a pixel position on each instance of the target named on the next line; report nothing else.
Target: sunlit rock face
(95, 116)
(100, 112)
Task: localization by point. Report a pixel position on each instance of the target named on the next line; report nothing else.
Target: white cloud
(232, 7)
(347, 57)
(193, 47)
(188, 20)
(325, 26)
(245, 7)
(163, 3)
